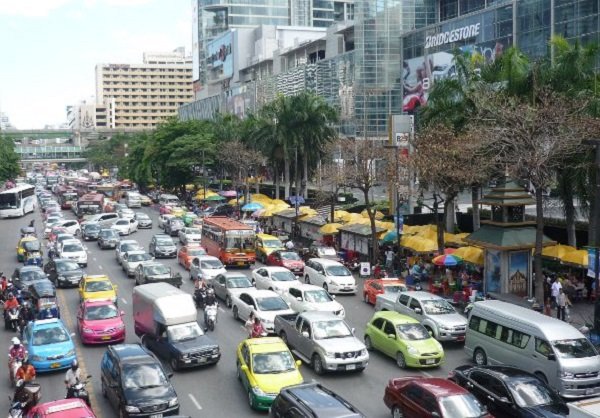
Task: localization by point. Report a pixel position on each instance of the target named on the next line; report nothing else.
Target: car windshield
(165, 242)
(52, 335)
(196, 251)
(130, 247)
(272, 243)
(91, 227)
(66, 266)
(192, 231)
(531, 392)
(32, 246)
(317, 296)
(283, 276)
(238, 282)
(139, 257)
(271, 303)
(577, 348)
(99, 286)
(337, 271)
(334, 328)
(143, 376)
(326, 251)
(32, 275)
(465, 406)
(437, 307)
(211, 264)
(141, 216)
(265, 363)
(412, 332)
(177, 222)
(289, 255)
(156, 269)
(184, 332)
(101, 312)
(72, 248)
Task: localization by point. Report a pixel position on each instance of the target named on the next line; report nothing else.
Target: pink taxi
(63, 408)
(100, 322)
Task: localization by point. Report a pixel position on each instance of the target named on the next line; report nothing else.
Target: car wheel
(174, 365)
(307, 279)
(236, 314)
(400, 360)
(237, 371)
(317, 364)
(366, 299)
(250, 399)
(283, 337)
(479, 357)
(325, 287)
(368, 343)
(397, 412)
(228, 302)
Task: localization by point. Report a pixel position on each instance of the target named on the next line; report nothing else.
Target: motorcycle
(200, 297)
(352, 265)
(13, 366)
(78, 390)
(210, 316)
(11, 319)
(32, 393)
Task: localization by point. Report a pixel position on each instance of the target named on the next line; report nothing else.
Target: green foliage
(9, 159)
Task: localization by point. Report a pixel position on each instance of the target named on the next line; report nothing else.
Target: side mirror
(244, 368)
(89, 376)
(551, 357)
(392, 336)
(418, 311)
(503, 399)
(305, 334)
(170, 375)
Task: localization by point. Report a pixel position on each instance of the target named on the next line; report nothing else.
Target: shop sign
(455, 35)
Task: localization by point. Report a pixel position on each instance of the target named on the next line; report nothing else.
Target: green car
(188, 218)
(403, 338)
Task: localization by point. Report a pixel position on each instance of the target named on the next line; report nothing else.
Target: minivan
(168, 199)
(134, 200)
(553, 350)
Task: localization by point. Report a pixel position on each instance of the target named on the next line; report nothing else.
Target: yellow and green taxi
(404, 339)
(265, 366)
(265, 245)
(26, 245)
(97, 287)
(177, 211)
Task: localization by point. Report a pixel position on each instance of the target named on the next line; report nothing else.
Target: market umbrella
(214, 198)
(279, 202)
(228, 193)
(329, 229)
(456, 239)
(578, 258)
(557, 251)
(252, 207)
(351, 217)
(390, 236)
(447, 260)
(378, 214)
(473, 255)
(260, 196)
(419, 245)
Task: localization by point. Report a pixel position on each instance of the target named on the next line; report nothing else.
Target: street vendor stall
(357, 238)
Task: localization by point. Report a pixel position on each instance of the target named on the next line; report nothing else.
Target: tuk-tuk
(43, 300)
(27, 231)
(29, 251)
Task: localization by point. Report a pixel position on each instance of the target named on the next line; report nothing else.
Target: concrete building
(88, 115)
(5, 122)
(139, 96)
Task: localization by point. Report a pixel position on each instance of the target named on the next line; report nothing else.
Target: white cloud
(30, 8)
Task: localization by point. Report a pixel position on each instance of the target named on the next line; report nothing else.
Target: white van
(134, 200)
(556, 352)
(168, 199)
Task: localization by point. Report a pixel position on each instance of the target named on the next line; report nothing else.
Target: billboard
(219, 60)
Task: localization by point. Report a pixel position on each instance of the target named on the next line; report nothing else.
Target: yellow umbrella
(350, 217)
(338, 215)
(259, 197)
(578, 258)
(419, 245)
(360, 221)
(473, 255)
(329, 229)
(201, 195)
(306, 210)
(557, 251)
(409, 229)
(279, 202)
(378, 214)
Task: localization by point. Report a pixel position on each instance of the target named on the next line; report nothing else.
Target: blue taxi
(49, 344)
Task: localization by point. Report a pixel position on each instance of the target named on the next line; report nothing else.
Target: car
(54, 232)
(26, 245)
(163, 219)
(420, 396)
(187, 253)
(265, 304)
(49, 345)
(145, 200)
(102, 218)
(206, 267)
(189, 236)
(24, 276)
(153, 272)
(135, 383)
(74, 250)
(63, 272)
(265, 244)
(125, 226)
(277, 279)
(330, 275)
(404, 339)
(126, 213)
(90, 231)
(307, 297)
(374, 287)
(51, 223)
(100, 322)
(508, 391)
(125, 246)
(120, 206)
(62, 237)
(231, 283)
(99, 286)
(321, 251)
(312, 400)
(108, 238)
(131, 259)
(173, 226)
(162, 245)
(265, 366)
(189, 218)
(288, 259)
(61, 408)
(71, 225)
(144, 221)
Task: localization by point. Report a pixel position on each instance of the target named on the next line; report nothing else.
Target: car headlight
(87, 331)
(36, 358)
(132, 409)
(62, 278)
(445, 328)
(258, 391)
(173, 402)
(566, 375)
(120, 327)
(185, 356)
(363, 352)
(412, 350)
(329, 354)
(70, 353)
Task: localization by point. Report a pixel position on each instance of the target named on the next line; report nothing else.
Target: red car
(55, 231)
(374, 287)
(187, 253)
(431, 397)
(288, 259)
(63, 408)
(100, 322)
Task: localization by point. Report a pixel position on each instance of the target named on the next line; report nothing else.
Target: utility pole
(595, 235)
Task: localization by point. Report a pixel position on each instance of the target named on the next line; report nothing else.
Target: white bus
(17, 201)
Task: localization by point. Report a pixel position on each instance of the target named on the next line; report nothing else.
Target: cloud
(30, 8)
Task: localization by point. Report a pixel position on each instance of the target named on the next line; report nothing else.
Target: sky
(49, 49)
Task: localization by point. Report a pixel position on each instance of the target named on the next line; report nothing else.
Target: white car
(189, 236)
(307, 297)
(71, 225)
(104, 219)
(124, 246)
(49, 225)
(163, 219)
(330, 275)
(125, 226)
(206, 267)
(265, 304)
(74, 250)
(132, 259)
(126, 213)
(277, 279)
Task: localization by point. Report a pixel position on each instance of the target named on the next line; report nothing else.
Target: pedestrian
(562, 304)
(389, 259)
(548, 307)
(249, 324)
(555, 291)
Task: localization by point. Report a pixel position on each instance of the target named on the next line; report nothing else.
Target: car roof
(504, 372)
(266, 345)
(421, 295)
(438, 386)
(327, 262)
(69, 408)
(305, 286)
(97, 302)
(131, 353)
(319, 316)
(207, 257)
(63, 260)
(318, 399)
(128, 241)
(136, 252)
(161, 236)
(274, 268)
(71, 241)
(46, 323)
(266, 236)
(395, 317)
(30, 268)
(234, 274)
(260, 293)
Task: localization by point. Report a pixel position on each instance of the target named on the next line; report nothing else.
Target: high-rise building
(4, 122)
(88, 115)
(139, 96)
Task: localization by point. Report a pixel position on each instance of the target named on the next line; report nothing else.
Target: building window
(448, 9)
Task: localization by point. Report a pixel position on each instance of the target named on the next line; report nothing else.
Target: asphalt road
(213, 391)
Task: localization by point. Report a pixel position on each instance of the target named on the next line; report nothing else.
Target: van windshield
(578, 348)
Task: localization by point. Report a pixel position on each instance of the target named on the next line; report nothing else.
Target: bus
(90, 204)
(51, 180)
(123, 186)
(109, 190)
(17, 201)
(66, 196)
(229, 240)
(84, 186)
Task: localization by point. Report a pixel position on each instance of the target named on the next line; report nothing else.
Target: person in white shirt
(289, 245)
(72, 377)
(555, 290)
(389, 259)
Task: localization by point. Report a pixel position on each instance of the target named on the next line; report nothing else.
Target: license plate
(430, 361)
(460, 338)
(156, 416)
(240, 263)
(202, 360)
(55, 365)
(351, 367)
(106, 337)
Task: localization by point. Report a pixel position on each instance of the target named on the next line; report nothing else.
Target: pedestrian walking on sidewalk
(562, 303)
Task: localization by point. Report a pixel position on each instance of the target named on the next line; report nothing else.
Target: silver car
(132, 259)
(144, 221)
(206, 267)
(189, 236)
(126, 246)
(228, 284)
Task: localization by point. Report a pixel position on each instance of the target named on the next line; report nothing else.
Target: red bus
(90, 204)
(66, 196)
(109, 190)
(84, 185)
(229, 240)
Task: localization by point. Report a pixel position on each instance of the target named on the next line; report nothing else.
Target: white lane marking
(426, 374)
(195, 402)
(100, 267)
(94, 258)
(124, 301)
(221, 309)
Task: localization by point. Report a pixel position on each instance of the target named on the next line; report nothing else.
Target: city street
(212, 391)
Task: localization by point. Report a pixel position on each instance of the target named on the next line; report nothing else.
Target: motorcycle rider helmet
(74, 365)
(11, 295)
(15, 341)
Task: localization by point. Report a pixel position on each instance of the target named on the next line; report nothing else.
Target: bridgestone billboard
(450, 36)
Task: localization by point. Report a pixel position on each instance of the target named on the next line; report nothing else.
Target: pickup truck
(323, 340)
(432, 311)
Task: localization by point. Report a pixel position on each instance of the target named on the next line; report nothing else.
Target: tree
(239, 160)
(9, 159)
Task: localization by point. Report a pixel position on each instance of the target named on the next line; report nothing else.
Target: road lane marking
(124, 301)
(221, 309)
(100, 267)
(194, 401)
(426, 373)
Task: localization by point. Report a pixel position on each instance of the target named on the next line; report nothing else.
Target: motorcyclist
(200, 292)
(17, 350)
(257, 329)
(26, 372)
(26, 313)
(11, 302)
(209, 300)
(72, 377)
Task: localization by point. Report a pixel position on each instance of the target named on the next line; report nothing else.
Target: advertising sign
(220, 59)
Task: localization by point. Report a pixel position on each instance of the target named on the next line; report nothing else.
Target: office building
(140, 96)
(5, 122)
